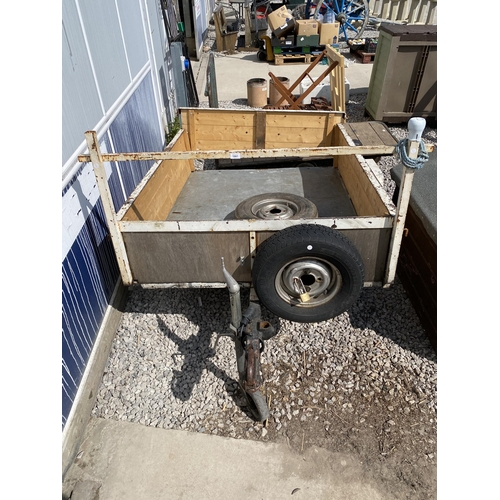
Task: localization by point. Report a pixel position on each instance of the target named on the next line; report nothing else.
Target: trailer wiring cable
(423, 155)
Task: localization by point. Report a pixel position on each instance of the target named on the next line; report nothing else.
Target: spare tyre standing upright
(308, 273)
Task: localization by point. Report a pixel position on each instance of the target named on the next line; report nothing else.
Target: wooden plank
(260, 131)
(219, 116)
(328, 137)
(192, 130)
(184, 119)
(337, 79)
(159, 194)
(281, 59)
(224, 137)
(240, 118)
(365, 197)
(218, 32)
(369, 134)
(285, 137)
(385, 136)
(284, 119)
(217, 132)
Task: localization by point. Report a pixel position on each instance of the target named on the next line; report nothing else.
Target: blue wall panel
(89, 270)
(136, 129)
(115, 186)
(89, 275)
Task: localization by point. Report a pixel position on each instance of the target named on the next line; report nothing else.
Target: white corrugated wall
(114, 78)
(408, 11)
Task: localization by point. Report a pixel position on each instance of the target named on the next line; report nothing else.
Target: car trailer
(305, 239)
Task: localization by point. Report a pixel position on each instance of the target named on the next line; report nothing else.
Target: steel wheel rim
(275, 209)
(321, 279)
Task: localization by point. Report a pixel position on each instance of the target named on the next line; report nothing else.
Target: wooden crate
(364, 57)
(280, 59)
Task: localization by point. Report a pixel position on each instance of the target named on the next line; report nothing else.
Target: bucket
(274, 95)
(257, 92)
(321, 90)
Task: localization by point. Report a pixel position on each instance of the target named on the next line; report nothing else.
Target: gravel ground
(362, 383)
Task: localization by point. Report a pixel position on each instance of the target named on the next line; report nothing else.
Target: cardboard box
(287, 29)
(307, 41)
(278, 18)
(307, 27)
(329, 33)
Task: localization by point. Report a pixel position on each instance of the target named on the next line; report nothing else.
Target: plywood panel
(372, 245)
(187, 257)
(159, 194)
(211, 129)
(364, 196)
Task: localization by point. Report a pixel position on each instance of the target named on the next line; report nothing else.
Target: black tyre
(305, 164)
(258, 405)
(261, 55)
(273, 206)
(321, 259)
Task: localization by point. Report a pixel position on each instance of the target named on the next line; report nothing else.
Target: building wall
(409, 11)
(116, 81)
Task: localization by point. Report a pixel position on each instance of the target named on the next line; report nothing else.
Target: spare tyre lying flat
(275, 206)
(312, 258)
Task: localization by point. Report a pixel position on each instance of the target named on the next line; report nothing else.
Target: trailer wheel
(321, 260)
(273, 206)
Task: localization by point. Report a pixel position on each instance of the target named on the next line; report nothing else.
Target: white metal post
(107, 202)
(415, 128)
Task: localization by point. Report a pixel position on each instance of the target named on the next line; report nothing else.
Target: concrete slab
(233, 72)
(127, 461)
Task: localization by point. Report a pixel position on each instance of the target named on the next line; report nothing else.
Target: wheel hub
(341, 18)
(274, 209)
(321, 280)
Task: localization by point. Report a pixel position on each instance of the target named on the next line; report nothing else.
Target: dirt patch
(392, 432)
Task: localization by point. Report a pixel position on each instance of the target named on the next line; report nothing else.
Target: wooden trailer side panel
(219, 129)
(358, 181)
(158, 195)
(158, 257)
(372, 245)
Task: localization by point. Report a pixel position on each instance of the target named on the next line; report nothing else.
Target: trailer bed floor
(214, 194)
